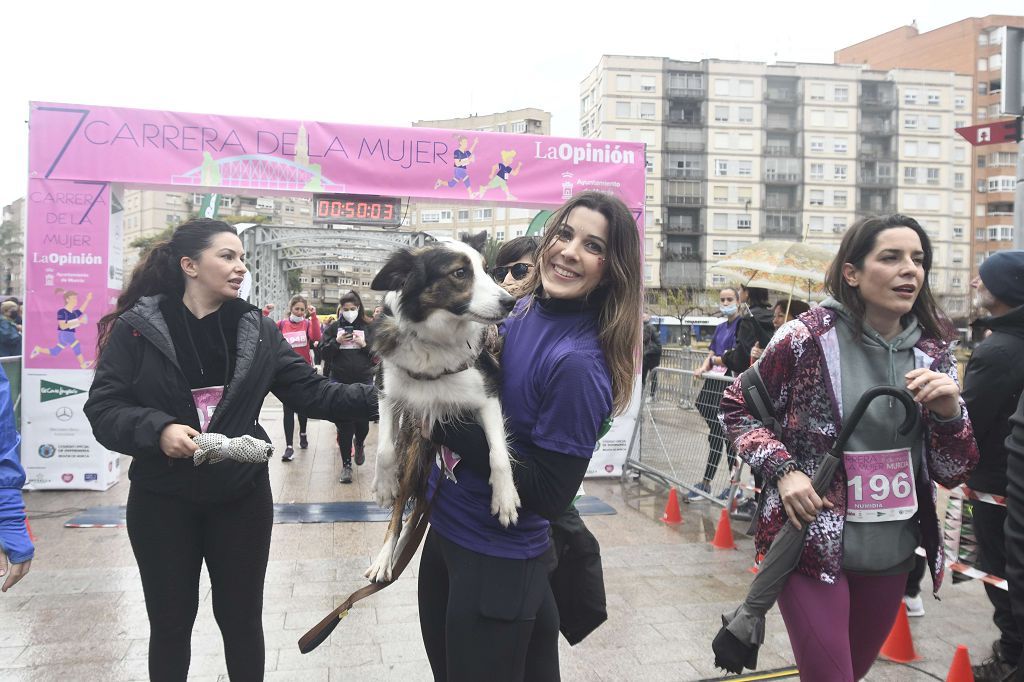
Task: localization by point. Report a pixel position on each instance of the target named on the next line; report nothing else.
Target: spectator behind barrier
(10, 330)
(16, 550)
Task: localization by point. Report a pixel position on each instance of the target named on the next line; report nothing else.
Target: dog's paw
(380, 570)
(505, 501)
(385, 490)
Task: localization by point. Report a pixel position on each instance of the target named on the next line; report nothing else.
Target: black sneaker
(993, 669)
(289, 454)
(346, 474)
(360, 454)
(303, 443)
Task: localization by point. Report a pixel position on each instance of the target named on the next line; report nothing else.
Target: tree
(146, 244)
(13, 254)
(677, 302)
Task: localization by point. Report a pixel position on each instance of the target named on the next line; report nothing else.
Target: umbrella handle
(901, 394)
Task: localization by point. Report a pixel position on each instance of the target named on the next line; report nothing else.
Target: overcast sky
(389, 63)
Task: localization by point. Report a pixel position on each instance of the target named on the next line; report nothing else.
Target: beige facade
(738, 152)
(12, 242)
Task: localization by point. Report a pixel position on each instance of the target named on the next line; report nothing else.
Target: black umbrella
(742, 632)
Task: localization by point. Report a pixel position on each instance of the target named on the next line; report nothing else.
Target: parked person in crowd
(880, 326)
(346, 351)
(513, 263)
(652, 352)
(301, 333)
(16, 550)
(1015, 521)
(710, 394)
(485, 603)
(10, 331)
(178, 346)
(18, 310)
(993, 383)
(783, 311)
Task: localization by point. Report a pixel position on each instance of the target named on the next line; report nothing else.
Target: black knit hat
(1003, 275)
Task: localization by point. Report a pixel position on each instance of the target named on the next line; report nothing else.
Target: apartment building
(743, 151)
(12, 250)
(973, 47)
(444, 219)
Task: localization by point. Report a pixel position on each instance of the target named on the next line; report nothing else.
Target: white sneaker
(915, 606)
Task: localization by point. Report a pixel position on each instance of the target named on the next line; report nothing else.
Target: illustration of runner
(69, 318)
(463, 157)
(500, 173)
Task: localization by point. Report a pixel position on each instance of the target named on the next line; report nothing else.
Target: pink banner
(193, 151)
(67, 272)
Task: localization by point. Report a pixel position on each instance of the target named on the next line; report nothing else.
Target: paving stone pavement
(80, 615)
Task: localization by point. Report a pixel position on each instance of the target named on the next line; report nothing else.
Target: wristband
(787, 467)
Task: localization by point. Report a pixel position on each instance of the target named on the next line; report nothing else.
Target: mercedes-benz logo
(64, 414)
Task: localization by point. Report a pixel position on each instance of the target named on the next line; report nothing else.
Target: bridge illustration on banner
(258, 171)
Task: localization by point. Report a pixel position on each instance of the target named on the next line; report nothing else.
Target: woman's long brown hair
(619, 323)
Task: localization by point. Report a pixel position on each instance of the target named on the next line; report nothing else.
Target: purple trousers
(837, 630)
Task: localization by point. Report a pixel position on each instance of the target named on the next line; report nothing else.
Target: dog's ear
(395, 272)
(477, 241)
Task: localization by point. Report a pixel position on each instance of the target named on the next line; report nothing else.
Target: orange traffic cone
(723, 534)
(899, 645)
(672, 515)
(960, 671)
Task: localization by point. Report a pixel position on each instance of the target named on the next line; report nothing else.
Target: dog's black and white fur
(431, 340)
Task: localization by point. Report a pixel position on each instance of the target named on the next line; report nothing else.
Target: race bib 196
(880, 486)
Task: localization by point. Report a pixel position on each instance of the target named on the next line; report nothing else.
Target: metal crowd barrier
(12, 368)
(682, 358)
(674, 443)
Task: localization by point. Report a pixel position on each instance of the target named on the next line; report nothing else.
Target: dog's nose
(507, 301)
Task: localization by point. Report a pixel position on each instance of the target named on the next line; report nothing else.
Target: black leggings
(485, 618)
(349, 434)
(289, 425)
(171, 537)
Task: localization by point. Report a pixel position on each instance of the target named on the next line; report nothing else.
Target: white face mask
(296, 318)
(350, 315)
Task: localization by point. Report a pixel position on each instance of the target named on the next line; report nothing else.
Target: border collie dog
(435, 365)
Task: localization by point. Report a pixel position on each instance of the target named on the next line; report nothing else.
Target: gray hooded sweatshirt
(868, 360)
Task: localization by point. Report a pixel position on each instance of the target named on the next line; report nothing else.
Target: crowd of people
(182, 355)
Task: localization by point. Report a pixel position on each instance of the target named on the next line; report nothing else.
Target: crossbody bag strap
(755, 395)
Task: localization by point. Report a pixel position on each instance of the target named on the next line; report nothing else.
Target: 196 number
(881, 487)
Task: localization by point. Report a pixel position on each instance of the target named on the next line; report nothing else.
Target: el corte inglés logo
(48, 391)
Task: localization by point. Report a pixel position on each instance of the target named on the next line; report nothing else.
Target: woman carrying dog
(349, 360)
(880, 327)
(486, 606)
(181, 354)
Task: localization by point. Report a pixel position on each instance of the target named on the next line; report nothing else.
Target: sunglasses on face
(519, 271)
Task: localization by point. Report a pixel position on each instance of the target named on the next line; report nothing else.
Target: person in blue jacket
(16, 548)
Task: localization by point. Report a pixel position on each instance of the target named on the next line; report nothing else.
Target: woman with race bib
(301, 333)
(880, 326)
(180, 354)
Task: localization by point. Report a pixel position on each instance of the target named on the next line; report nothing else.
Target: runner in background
(301, 333)
(880, 326)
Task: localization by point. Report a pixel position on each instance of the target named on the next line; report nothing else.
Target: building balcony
(875, 101)
(684, 173)
(685, 93)
(876, 209)
(684, 122)
(684, 146)
(872, 180)
(678, 274)
(782, 96)
(682, 228)
(782, 231)
(773, 178)
(874, 154)
(780, 124)
(782, 150)
(682, 199)
(877, 128)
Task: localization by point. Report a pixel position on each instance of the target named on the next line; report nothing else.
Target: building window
(817, 91)
(647, 84)
(817, 144)
(722, 141)
(910, 175)
(839, 171)
(817, 223)
(995, 62)
(982, 64)
(623, 82)
(840, 119)
(745, 142)
(933, 98)
(648, 272)
(910, 122)
(745, 169)
(839, 198)
(720, 193)
(720, 221)
(959, 154)
(979, 234)
(430, 216)
(722, 87)
(932, 122)
(719, 247)
(746, 88)
(933, 150)
(482, 213)
(647, 110)
(817, 197)
(622, 110)
(841, 93)
(746, 115)
(910, 148)
(520, 127)
(717, 279)
(839, 145)
(743, 221)
(960, 102)
(958, 232)
(910, 96)
(721, 167)
(743, 194)
(817, 118)
(817, 171)
(722, 114)
(464, 214)
(933, 176)
(226, 201)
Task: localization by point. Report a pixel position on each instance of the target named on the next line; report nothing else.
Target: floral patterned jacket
(801, 370)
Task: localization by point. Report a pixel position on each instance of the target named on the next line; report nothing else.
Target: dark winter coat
(347, 365)
(652, 346)
(140, 388)
(1015, 518)
(756, 328)
(992, 387)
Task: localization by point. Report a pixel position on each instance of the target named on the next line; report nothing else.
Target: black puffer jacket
(757, 328)
(347, 365)
(992, 386)
(140, 388)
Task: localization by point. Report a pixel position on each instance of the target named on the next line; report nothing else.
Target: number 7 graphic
(84, 113)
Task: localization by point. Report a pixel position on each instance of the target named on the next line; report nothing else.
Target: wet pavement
(80, 615)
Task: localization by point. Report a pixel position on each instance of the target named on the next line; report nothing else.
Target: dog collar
(422, 376)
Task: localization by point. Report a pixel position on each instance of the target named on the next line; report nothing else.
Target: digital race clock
(358, 209)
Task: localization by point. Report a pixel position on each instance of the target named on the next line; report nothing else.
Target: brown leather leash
(322, 630)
